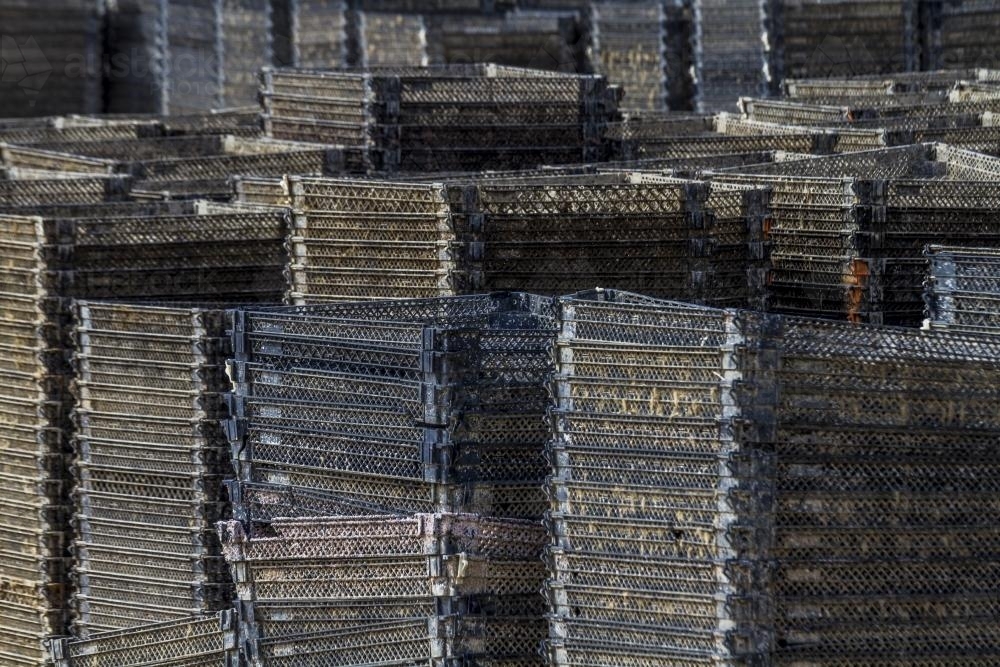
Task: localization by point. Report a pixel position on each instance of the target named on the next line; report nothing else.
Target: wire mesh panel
(169, 257)
(150, 458)
(185, 166)
(820, 449)
(962, 289)
(649, 136)
(206, 641)
(209, 176)
(930, 86)
(61, 128)
(387, 590)
(889, 112)
(46, 187)
(25, 157)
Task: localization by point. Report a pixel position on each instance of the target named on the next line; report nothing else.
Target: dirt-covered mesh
(547, 232)
(850, 432)
(895, 86)
(150, 458)
(919, 161)
(66, 130)
(185, 166)
(34, 408)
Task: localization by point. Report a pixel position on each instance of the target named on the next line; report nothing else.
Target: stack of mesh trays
(427, 589)
(210, 252)
(52, 57)
(456, 118)
(357, 239)
(241, 121)
(150, 458)
(654, 507)
(541, 39)
(210, 641)
(121, 251)
(730, 53)
(629, 44)
(782, 491)
(128, 250)
(386, 39)
(962, 290)
(391, 407)
(629, 230)
(34, 406)
(984, 139)
(550, 234)
(885, 477)
(310, 33)
(196, 166)
(849, 231)
(830, 38)
(960, 33)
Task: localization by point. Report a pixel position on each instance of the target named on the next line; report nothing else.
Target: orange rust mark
(856, 281)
